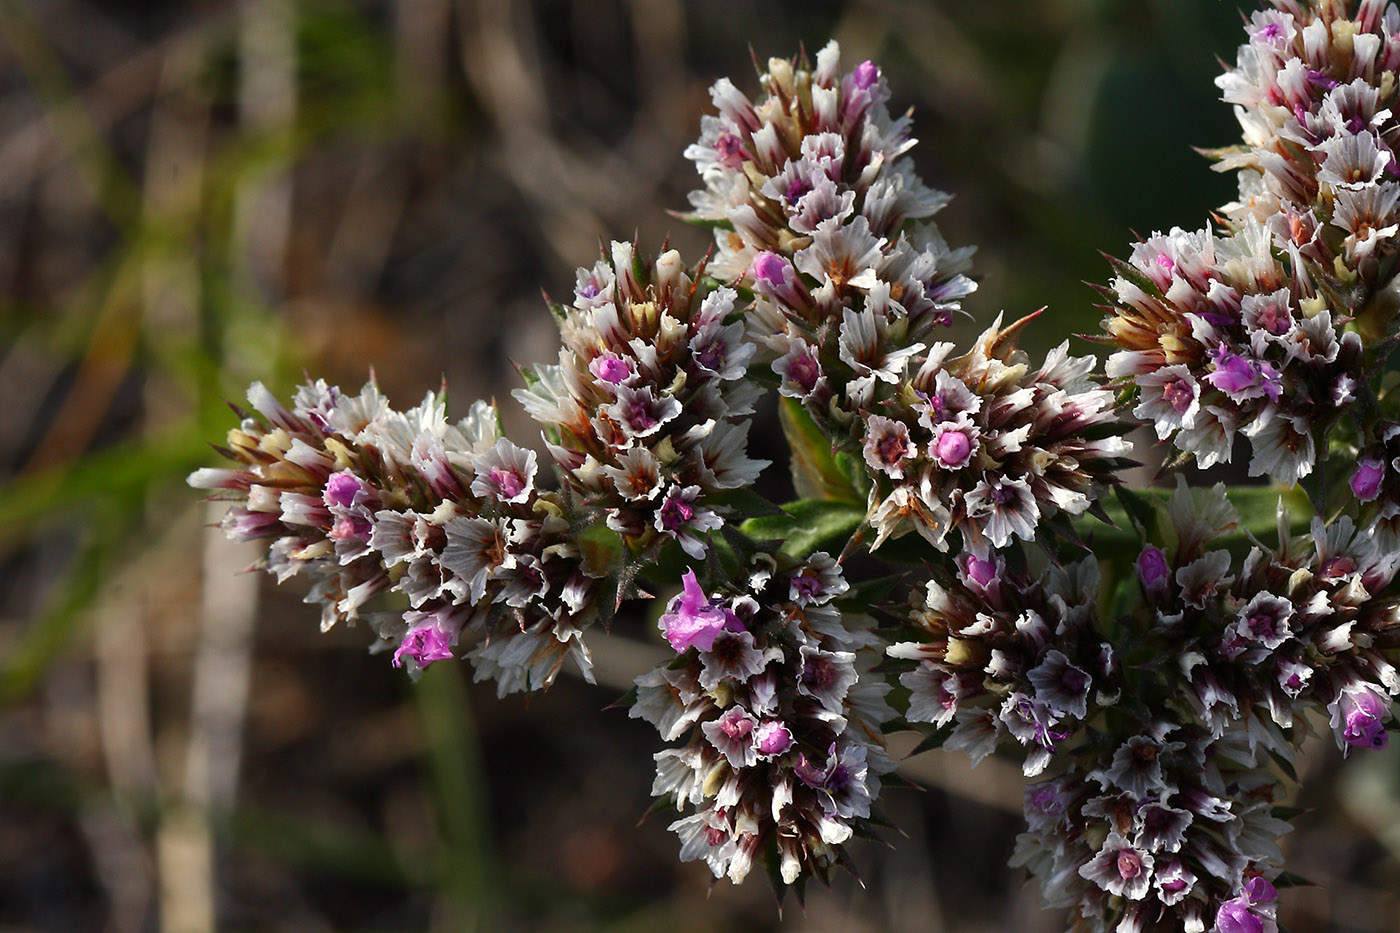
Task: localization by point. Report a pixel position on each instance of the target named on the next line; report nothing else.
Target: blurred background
(197, 194)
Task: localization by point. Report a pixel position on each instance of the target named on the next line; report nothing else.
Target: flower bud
(1153, 570)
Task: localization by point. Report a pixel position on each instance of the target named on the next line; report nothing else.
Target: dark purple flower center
(796, 189)
(508, 482)
(1338, 567)
(639, 416)
(675, 513)
(803, 371)
(892, 448)
(730, 149)
(1264, 626)
(1275, 320)
(711, 356)
(1179, 394)
(1320, 80)
(1074, 680)
(819, 673)
(1046, 800)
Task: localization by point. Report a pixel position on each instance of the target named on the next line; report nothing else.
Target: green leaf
(747, 503)
(1134, 275)
(695, 220)
(809, 525)
(816, 474)
(599, 549)
(1147, 509)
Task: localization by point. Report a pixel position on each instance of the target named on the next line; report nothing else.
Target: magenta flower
(425, 644)
(775, 278)
(1360, 713)
(865, 74)
(1153, 570)
(982, 574)
(952, 445)
(611, 368)
(1233, 375)
(1235, 917)
(771, 738)
(343, 488)
(1366, 481)
(1259, 891)
(690, 619)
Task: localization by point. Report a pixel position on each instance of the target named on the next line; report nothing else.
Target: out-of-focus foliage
(193, 196)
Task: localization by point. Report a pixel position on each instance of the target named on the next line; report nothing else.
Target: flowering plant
(1156, 693)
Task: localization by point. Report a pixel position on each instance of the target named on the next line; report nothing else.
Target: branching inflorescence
(1158, 699)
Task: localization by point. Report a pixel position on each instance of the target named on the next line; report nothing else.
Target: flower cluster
(820, 213)
(989, 446)
(1002, 656)
(785, 748)
(1238, 333)
(1297, 628)
(1223, 338)
(1165, 809)
(1313, 89)
(646, 411)
(819, 173)
(362, 500)
(1171, 830)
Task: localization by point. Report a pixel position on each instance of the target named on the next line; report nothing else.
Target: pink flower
(1153, 570)
(953, 448)
(1360, 713)
(771, 738)
(1366, 481)
(342, 489)
(611, 368)
(690, 619)
(1236, 917)
(865, 74)
(1233, 375)
(425, 644)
